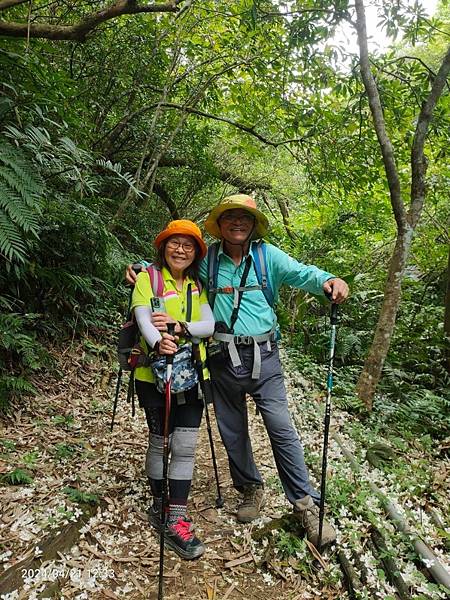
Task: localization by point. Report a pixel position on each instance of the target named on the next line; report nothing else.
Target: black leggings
(184, 422)
(184, 415)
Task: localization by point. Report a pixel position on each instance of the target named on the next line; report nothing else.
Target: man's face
(236, 225)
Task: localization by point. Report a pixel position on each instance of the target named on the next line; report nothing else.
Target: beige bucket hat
(237, 201)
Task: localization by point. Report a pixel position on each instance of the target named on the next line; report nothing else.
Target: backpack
(129, 333)
(259, 253)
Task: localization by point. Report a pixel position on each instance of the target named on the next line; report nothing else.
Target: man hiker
(249, 362)
(247, 359)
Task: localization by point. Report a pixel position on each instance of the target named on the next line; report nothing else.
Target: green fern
(21, 192)
(116, 169)
(17, 477)
(18, 339)
(349, 403)
(418, 410)
(19, 350)
(350, 344)
(81, 497)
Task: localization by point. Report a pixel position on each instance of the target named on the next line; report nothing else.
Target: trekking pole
(206, 390)
(116, 397)
(169, 364)
(120, 373)
(333, 321)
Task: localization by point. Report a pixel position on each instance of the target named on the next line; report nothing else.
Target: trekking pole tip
(220, 502)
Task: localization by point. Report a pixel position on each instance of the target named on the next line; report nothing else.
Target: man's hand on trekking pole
(336, 289)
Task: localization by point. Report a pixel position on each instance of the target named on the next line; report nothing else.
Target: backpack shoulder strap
(259, 251)
(156, 280)
(199, 285)
(213, 268)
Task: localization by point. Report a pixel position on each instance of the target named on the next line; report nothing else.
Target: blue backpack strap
(259, 251)
(213, 269)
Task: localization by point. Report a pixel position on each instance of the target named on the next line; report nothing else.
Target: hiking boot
(180, 537)
(250, 508)
(154, 515)
(308, 513)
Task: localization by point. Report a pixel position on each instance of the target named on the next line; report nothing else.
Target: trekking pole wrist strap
(184, 330)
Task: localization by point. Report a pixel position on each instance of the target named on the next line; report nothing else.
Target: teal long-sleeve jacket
(255, 316)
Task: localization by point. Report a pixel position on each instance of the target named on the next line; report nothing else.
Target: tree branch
(161, 191)
(247, 128)
(412, 58)
(80, 30)
(378, 118)
(418, 159)
(241, 183)
(4, 4)
(250, 129)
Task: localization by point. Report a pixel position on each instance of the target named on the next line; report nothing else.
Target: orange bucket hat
(237, 201)
(182, 227)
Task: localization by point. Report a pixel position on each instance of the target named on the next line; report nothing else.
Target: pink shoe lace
(183, 529)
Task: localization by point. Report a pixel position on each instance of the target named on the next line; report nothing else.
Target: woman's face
(179, 252)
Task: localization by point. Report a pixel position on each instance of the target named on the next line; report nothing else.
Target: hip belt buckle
(245, 340)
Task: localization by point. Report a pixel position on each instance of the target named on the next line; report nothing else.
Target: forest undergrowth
(75, 498)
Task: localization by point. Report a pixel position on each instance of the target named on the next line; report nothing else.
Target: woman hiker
(180, 248)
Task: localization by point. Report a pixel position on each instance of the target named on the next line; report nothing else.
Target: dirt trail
(62, 440)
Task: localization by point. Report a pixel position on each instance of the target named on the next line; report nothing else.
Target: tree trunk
(371, 373)
(406, 221)
(447, 318)
(285, 216)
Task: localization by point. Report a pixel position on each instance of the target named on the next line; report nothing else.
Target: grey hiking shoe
(251, 504)
(308, 513)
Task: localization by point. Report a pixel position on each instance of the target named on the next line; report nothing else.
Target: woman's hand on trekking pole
(336, 289)
(167, 345)
(160, 321)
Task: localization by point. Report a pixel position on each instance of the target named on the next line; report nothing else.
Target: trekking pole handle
(334, 309)
(170, 331)
(334, 313)
(137, 268)
(196, 350)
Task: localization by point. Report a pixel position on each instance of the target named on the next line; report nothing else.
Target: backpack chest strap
(232, 290)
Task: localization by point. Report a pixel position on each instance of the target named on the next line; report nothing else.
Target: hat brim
(161, 237)
(212, 227)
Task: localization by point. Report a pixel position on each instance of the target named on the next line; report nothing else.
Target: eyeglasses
(188, 247)
(230, 216)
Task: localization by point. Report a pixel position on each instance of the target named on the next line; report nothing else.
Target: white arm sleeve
(143, 316)
(204, 327)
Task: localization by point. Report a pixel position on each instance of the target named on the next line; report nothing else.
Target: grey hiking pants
(230, 385)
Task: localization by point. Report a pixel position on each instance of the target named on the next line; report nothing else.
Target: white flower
(428, 563)
(267, 577)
